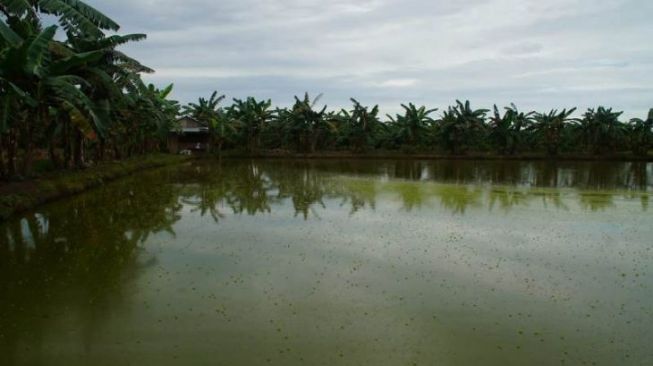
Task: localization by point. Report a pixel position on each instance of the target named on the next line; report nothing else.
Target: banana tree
(550, 128)
(152, 117)
(43, 73)
(40, 83)
(114, 83)
(76, 17)
(304, 125)
(601, 129)
(460, 126)
(640, 134)
(411, 127)
(252, 117)
(359, 126)
(507, 131)
(224, 130)
(206, 111)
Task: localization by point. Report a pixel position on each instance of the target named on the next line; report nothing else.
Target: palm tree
(640, 133)
(411, 127)
(551, 127)
(507, 130)
(460, 126)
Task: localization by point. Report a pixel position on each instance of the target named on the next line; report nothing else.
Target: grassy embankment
(20, 196)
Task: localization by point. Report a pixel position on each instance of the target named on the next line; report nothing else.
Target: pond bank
(17, 197)
(282, 154)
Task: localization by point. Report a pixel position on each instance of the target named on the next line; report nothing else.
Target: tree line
(255, 125)
(69, 96)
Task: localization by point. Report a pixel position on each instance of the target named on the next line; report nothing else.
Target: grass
(17, 197)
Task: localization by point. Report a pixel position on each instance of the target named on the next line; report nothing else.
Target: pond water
(331, 262)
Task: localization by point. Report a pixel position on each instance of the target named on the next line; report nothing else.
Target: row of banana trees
(67, 90)
(305, 127)
(68, 93)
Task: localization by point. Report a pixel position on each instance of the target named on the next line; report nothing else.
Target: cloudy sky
(538, 54)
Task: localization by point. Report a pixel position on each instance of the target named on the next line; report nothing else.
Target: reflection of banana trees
(250, 190)
(412, 195)
(360, 194)
(596, 201)
(506, 198)
(253, 188)
(78, 257)
(306, 188)
(412, 170)
(242, 187)
(206, 199)
(638, 178)
(458, 198)
(309, 194)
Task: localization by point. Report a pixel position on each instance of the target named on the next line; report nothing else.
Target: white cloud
(391, 51)
(399, 83)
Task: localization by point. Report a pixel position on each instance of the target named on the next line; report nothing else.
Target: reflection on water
(250, 187)
(337, 262)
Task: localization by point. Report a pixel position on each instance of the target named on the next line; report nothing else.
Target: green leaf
(37, 51)
(17, 7)
(97, 17)
(79, 59)
(77, 17)
(9, 36)
(117, 40)
(165, 92)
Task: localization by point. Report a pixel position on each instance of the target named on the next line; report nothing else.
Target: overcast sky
(539, 54)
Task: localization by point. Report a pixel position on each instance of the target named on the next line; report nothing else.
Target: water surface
(337, 263)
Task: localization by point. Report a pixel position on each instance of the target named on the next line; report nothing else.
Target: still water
(337, 263)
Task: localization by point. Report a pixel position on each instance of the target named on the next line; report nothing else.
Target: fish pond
(327, 262)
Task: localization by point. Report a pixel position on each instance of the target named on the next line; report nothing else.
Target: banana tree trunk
(209, 143)
(101, 146)
(67, 146)
(78, 151)
(11, 154)
(219, 144)
(3, 172)
(52, 154)
(29, 150)
(252, 143)
(314, 140)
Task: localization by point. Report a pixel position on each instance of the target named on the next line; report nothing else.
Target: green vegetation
(67, 89)
(254, 127)
(68, 96)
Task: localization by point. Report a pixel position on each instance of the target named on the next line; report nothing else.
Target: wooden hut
(192, 135)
